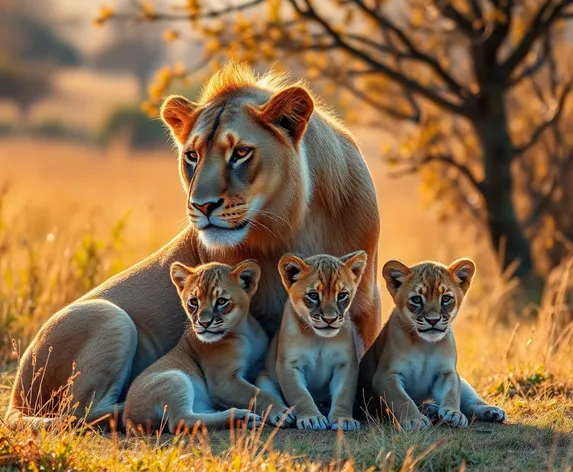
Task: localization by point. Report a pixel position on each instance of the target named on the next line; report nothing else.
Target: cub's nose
(329, 318)
(205, 324)
(432, 321)
(208, 208)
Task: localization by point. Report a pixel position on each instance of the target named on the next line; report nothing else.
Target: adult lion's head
(242, 157)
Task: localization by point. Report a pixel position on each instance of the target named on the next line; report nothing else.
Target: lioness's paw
(453, 418)
(345, 424)
(490, 413)
(315, 423)
(416, 423)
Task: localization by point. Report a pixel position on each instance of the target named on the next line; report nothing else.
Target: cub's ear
(177, 113)
(290, 109)
(356, 262)
(179, 275)
(463, 271)
(290, 268)
(247, 273)
(394, 273)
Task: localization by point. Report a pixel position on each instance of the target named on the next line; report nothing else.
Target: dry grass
(71, 216)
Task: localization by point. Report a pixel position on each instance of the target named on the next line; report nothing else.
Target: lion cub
(312, 358)
(414, 358)
(215, 360)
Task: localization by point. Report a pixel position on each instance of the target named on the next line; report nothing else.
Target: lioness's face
(241, 164)
(216, 297)
(321, 288)
(428, 295)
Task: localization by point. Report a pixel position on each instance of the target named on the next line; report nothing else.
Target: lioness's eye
(193, 302)
(446, 299)
(342, 296)
(312, 296)
(240, 154)
(190, 157)
(416, 300)
(221, 302)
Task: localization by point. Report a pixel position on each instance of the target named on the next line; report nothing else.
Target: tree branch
(547, 123)
(414, 52)
(215, 13)
(542, 21)
(390, 111)
(384, 69)
(446, 160)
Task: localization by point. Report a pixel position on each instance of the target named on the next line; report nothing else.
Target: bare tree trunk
(506, 232)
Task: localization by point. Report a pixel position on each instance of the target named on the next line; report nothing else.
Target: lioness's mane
(234, 77)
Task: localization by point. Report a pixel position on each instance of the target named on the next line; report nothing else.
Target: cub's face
(428, 295)
(216, 297)
(237, 152)
(321, 288)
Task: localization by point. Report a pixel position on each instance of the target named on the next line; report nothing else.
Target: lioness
(313, 356)
(265, 171)
(215, 361)
(414, 358)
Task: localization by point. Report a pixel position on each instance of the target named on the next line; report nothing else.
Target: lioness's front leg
(389, 387)
(342, 391)
(446, 392)
(475, 407)
(293, 385)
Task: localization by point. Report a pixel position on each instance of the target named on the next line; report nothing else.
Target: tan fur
(414, 358)
(305, 189)
(313, 357)
(215, 361)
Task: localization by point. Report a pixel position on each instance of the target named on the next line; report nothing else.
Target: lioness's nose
(208, 208)
(206, 323)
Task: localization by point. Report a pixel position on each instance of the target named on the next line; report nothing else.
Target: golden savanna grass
(72, 215)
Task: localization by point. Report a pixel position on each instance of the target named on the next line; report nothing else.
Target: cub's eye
(447, 299)
(221, 302)
(416, 300)
(240, 154)
(313, 296)
(190, 157)
(193, 302)
(342, 297)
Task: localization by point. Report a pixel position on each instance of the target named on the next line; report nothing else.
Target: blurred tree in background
(477, 87)
(30, 51)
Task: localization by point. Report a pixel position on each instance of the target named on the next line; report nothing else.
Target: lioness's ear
(176, 112)
(356, 262)
(248, 274)
(290, 109)
(290, 268)
(394, 273)
(179, 275)
(463, 271)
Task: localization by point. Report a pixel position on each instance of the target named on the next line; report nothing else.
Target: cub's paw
(416, 423)
(246, 416)
(431, 410)
(453, 418)
(315, 423)
(490, 413)
(345, 424)
(281, 417)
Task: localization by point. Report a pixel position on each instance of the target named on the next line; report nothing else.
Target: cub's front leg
(294, 386)
(447, 393)
(342, 391)
(475, 407)
(389, 387)
(234, 390)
